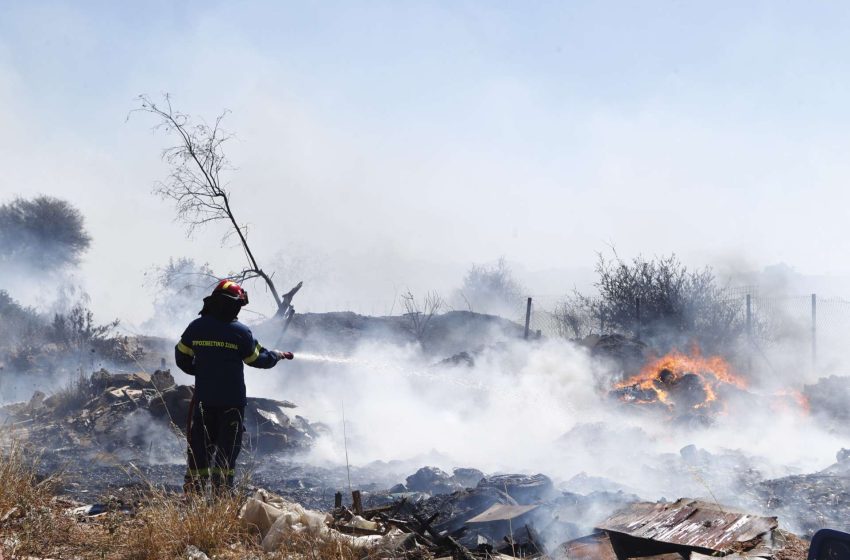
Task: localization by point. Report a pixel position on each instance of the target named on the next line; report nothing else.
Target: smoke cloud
(539, 407)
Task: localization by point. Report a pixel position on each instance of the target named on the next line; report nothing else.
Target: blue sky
(395, 143)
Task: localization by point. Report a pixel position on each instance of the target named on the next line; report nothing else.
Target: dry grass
(34, 523)
(19, 484)
(169, 524)
(29, 522)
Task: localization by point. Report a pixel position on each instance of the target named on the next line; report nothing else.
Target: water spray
(429, 374)
(308, 357)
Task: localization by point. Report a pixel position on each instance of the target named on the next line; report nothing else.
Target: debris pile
(407, 530)
(811, 501)
(509, 514)
(484, 522)
(127, 413)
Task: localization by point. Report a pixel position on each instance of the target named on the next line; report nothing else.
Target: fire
(680, 380)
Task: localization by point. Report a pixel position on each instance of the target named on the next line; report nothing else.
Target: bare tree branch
(195, 186)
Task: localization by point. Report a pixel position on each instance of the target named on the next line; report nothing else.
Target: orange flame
(711, 370)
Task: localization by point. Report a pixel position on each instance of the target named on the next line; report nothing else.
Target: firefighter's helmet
(231, 290)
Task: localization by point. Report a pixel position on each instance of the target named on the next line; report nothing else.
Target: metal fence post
(637, 317)
(814, 332)
(527, 317)
(749, 333)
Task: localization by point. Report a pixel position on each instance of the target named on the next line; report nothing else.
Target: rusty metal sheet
(501, 512)
(690, 523)
(592, 547)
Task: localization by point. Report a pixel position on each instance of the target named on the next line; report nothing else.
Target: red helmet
(231, 290)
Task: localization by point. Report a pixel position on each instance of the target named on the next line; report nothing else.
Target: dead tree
(419, 314)
(195, 186)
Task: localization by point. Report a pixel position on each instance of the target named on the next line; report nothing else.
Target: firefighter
(214, 348)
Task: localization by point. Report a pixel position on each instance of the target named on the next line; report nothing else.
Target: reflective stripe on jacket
(214, 352)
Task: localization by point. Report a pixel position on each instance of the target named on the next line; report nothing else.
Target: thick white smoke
(536, 407)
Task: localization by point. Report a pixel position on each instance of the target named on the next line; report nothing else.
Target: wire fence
(803, 333)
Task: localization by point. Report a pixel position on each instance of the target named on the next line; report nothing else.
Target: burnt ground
(803, 503)
(97, 471)
(93, 482)
(94, 470)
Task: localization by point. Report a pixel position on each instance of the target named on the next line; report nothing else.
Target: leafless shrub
(490, 289)
(178, 288)
(182, 277)
(76, 331)
(662, 300)
(77, 328)
(418, 313)
(574, 318)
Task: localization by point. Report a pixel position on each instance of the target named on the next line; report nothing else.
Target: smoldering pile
(141, 417)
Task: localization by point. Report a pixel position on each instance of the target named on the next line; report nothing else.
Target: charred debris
(494, 524)
(466, 514)
(101, 413)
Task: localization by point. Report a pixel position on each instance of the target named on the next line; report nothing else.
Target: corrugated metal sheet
(691, 523)
(591, 547)
(501, 512)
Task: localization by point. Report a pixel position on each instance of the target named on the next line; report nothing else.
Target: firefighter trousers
(215, 440)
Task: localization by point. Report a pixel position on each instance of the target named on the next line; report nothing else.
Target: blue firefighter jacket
(213, 351)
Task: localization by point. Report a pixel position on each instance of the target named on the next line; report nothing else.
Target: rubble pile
(811, 501)
(478, 525)
(127, 415)
(509, 514)
(483, 522)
